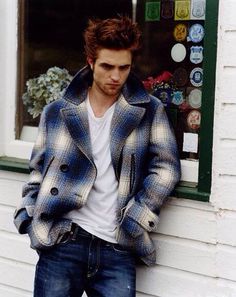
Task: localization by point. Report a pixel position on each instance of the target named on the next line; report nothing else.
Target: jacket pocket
(48, 166)
(132, 173)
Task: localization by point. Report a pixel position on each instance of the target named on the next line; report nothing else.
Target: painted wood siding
(16, 258)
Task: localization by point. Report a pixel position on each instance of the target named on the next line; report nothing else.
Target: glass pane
(173, 33)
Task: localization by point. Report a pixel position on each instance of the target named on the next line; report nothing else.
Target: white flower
(44, 89)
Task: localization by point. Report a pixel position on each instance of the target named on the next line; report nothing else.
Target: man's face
(110, 71)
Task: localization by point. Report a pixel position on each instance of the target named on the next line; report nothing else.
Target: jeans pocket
(65, 238)
(119, 249)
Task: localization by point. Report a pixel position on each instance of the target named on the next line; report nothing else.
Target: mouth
(114, 85)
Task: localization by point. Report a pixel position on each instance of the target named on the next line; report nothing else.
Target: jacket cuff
(22, 220)
(142, 215)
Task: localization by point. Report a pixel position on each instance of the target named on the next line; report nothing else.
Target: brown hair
(115, 33)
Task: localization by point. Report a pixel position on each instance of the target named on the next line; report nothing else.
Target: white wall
(16, 259)
(224, 157)
(2, 77)
(196, 240)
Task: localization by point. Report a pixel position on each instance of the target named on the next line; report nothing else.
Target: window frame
(11, 147)
(15, 153)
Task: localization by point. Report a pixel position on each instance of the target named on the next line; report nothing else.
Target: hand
(131, 227)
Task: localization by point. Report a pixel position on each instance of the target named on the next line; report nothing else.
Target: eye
(124, 67)
(106, 66)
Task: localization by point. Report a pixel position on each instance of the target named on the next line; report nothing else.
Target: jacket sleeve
(24, 212)
(163, 173)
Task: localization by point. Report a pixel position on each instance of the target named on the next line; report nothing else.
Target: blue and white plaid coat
(144, 156)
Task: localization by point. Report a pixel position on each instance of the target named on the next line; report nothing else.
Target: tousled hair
(114, 33)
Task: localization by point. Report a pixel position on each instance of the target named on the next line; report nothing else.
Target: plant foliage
(44, 89)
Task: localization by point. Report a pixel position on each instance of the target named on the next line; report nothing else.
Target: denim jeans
(84, 262)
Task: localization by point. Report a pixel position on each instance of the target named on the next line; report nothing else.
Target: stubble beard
(108, 91)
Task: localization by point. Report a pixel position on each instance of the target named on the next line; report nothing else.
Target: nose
(115, 75)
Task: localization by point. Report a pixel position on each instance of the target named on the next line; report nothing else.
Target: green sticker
(152, 11)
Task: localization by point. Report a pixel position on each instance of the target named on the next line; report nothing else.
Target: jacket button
(64, 168)
(151, 224)
(54, 191)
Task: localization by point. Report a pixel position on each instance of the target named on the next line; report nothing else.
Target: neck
(100, 102)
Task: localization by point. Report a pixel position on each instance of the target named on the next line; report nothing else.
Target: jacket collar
(133, 90)
(127, 115)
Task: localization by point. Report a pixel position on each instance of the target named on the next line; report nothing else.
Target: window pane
(173, 50)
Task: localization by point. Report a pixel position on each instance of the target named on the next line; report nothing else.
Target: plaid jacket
(62, 171)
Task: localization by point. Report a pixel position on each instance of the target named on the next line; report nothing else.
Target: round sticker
(196, 77)
(194, 119)
(195, 98)
(196, 33)
(178, 52)
(180, 32)
(180, 77)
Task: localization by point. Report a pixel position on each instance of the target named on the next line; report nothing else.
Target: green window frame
(203, 189)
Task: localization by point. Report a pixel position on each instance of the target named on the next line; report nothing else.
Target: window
(180, 39)
(177, 40)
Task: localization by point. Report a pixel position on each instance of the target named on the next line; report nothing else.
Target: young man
(104, 162)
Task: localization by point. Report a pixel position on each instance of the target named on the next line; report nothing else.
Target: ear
(90, 62)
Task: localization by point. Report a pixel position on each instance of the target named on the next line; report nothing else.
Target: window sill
(188, 192)
(184, 190)
(14, 165)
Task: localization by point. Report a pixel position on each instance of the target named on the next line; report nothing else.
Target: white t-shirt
(98, 215)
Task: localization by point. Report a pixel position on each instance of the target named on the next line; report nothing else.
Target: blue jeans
(83, 262)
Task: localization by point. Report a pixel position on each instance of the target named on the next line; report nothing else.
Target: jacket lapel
(76, 120)
(125, 119)
(127, 115)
